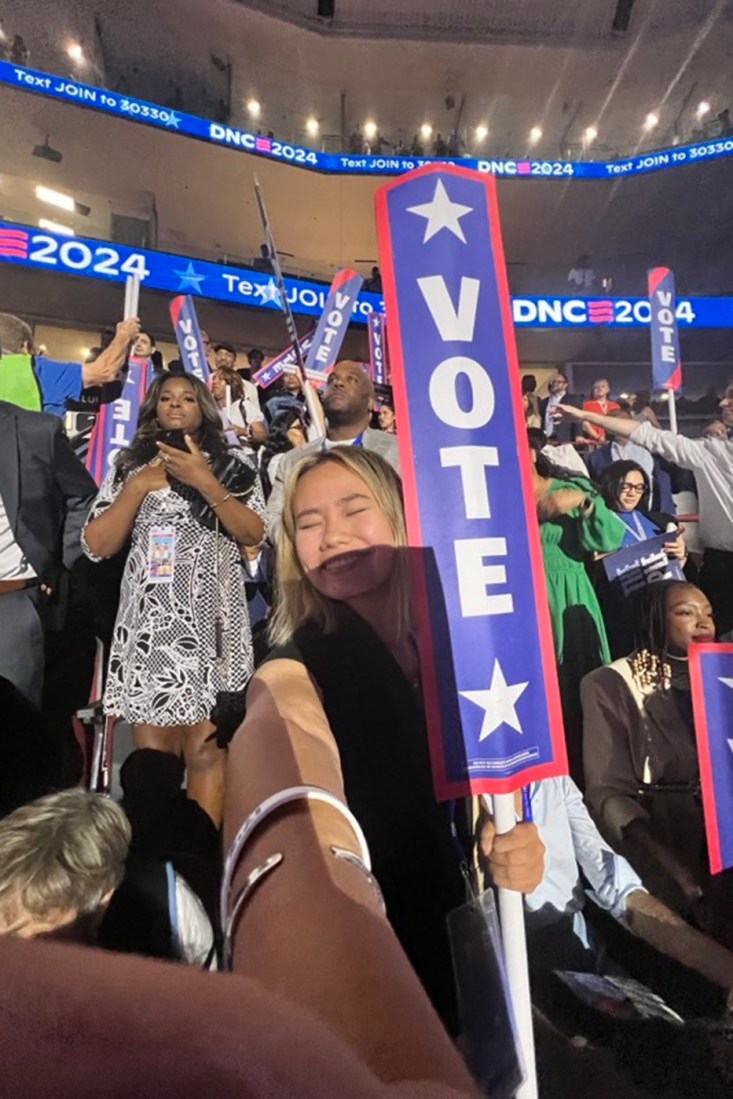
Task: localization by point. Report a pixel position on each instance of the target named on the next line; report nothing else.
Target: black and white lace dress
(164, 668)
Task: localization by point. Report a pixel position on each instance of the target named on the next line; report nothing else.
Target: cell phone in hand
(174, 438)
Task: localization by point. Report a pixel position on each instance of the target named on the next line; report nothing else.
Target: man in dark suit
(45, 495)
(563, 431)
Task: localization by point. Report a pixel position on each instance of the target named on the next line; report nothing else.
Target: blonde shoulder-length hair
(297, 600)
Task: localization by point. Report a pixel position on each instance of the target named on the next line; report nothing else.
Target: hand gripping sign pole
(666, 360)
(484, 634)
(312, 403)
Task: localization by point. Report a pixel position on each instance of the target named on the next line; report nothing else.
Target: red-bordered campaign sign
(484, 631)
(666, 361)
(188, 335)
(711, 677)
(116, 422)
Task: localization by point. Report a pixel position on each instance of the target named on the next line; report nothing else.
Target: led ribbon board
(67, 90)
(25, 246)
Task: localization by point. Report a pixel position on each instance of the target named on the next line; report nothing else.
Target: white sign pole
(511, 916)
(672, 401)
(132, 296)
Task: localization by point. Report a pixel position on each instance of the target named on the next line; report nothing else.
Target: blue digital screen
(25, 246)
(138, 110)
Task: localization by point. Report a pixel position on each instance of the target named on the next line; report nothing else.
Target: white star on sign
(441, 213)
(189, 279)
(269, 292)
(499, 702)
(172, 120)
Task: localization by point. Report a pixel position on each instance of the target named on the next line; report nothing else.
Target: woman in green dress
(575, 523)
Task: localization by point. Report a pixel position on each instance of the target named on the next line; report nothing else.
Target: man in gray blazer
(347, 401)
(45, 495)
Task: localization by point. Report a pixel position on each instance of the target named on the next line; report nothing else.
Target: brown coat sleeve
(610, 719)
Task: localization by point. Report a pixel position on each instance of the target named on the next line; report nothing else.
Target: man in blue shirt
(61, 381)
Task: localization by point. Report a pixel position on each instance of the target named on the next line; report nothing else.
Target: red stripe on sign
(656, 276)
(675, 380)
(523, 167)
(263, 144)
(702, 735)
(559, 764)
(13, 250)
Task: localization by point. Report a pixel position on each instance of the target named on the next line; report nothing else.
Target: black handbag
(237, 477)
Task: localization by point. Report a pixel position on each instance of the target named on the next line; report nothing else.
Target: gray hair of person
(63, 852)
(14, 333)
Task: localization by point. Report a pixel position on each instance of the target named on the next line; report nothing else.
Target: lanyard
(354, 442)
(638, 532)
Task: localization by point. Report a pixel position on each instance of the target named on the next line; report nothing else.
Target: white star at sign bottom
(499, 703)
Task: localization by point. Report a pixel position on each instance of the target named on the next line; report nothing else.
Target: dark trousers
(22, 643)
(716, 580)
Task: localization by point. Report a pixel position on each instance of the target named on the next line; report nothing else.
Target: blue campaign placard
(486, 650)
(666, 361)
(711, 677)
(634, 567)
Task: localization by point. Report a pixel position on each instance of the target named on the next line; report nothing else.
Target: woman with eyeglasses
(642, 780)
(626, 490)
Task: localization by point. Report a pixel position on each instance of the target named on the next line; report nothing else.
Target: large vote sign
(188, 336)
(116, 422)
(483, 622)
(666, 361)
(711, 676)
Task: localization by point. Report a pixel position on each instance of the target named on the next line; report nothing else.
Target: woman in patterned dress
(182, 632)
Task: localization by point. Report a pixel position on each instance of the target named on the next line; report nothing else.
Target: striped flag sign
(711, 678)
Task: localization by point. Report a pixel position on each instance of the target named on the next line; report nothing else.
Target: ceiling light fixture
(76, 53)
(535, 134)
(254, 108)
(702, 108)
(55, 198)
(56, 227)
(651, 120)
(370, 129)
(482, 132)
(590, 134)
(426, 131)
(311, 126)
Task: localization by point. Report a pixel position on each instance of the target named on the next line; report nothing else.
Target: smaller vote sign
(711, 677)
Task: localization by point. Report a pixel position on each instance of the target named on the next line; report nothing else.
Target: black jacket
(564, 432)
(46, 490)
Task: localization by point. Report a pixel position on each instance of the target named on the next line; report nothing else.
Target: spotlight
(482, 132)
(590, 134)
(46, 152)
(535, 134)
(311, 126)
(253, 107)
(76, 53)
(426, 131)
(651, 120)
(55, 198)
(370, 129)
(702, 108)
(56, 227)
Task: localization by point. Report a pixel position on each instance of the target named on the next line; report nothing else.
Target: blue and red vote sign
(116, 422)
(484, 631)
(334, 321)
(188, 336)
(378, 361)
(666, 361)
(711, 677)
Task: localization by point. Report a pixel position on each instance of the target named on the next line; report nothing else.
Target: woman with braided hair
(641, 767)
